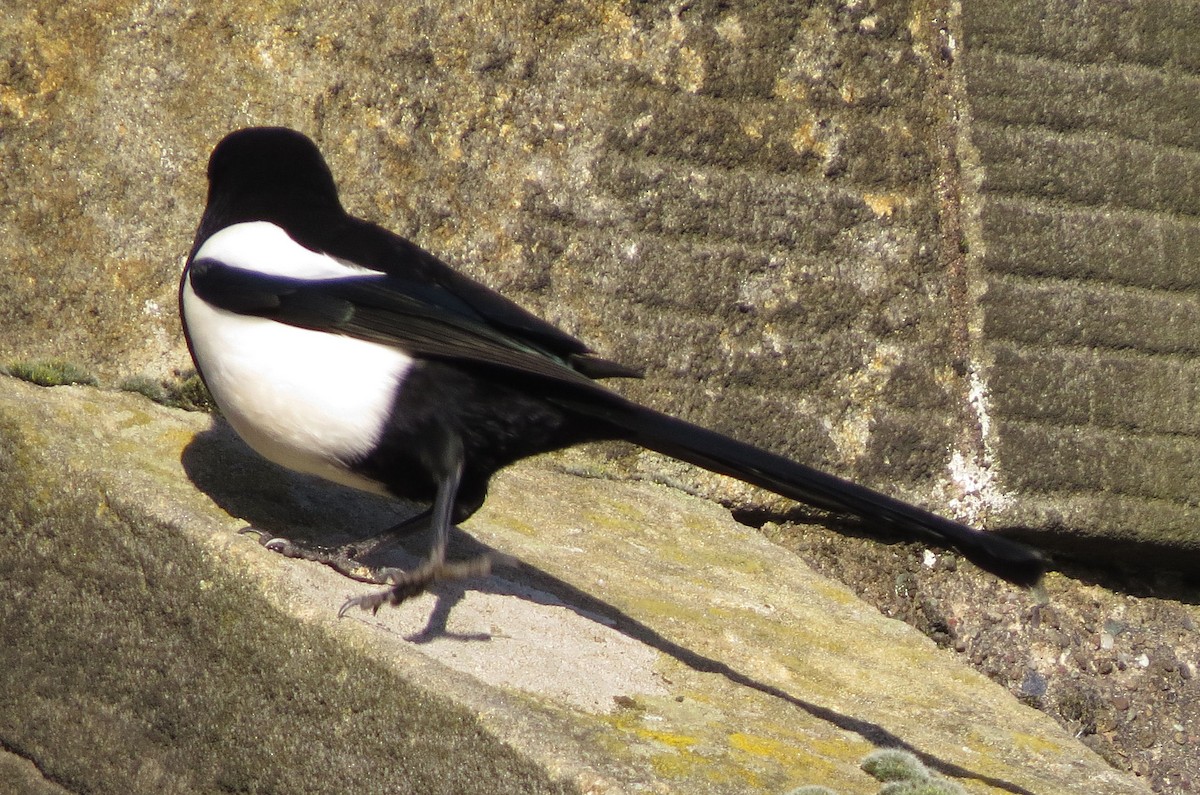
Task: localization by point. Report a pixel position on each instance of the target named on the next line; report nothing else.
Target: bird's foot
(341, 559)
(407, 584)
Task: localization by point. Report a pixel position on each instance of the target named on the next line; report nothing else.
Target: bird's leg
(407, 584)
(353, 559)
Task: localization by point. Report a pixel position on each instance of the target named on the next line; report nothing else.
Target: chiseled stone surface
(1082, 151)
(644, 641)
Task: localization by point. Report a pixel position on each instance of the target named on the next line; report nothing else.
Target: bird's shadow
(309, 511)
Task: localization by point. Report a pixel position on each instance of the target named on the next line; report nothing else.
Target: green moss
(50, 372)
(144, 385)
(184, 390)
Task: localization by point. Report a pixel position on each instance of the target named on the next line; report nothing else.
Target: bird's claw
(407, 584)
(340, 559)
(274, 543)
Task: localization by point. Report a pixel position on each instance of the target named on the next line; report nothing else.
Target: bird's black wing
(418, 318)
(362, 243)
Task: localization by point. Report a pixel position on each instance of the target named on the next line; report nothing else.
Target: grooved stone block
(1087, 249)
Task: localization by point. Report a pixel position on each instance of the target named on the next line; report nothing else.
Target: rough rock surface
(645, 641)
(945, 248)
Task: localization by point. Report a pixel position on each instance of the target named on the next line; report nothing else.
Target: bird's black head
(269, 157)
(267, 174)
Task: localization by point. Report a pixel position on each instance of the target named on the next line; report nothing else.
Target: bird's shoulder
(372, 246)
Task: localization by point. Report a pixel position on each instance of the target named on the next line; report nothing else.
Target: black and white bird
(336, 348)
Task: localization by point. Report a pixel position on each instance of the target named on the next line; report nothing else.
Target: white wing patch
(263, 247)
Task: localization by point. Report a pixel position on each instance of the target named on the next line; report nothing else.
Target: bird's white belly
(308, 400)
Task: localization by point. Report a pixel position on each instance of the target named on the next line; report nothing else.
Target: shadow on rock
(304, 509)
(310, 511)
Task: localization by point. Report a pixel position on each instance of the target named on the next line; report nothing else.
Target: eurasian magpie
(336, 348)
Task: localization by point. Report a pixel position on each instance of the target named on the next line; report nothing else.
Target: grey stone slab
(1088, 169)
(1085, 210)
(1047, 458)
(1122, 392)
(1075, 313)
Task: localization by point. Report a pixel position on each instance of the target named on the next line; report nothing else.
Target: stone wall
(1082, 146)
(944, 251)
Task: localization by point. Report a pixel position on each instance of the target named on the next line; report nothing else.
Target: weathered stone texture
(1084, 125)
(149, 648)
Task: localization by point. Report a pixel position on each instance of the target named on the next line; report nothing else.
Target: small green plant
(903, 774)
(50, 372)
(144, 385)
(184, 390)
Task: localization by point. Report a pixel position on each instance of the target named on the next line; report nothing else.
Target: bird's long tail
(715, 452)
